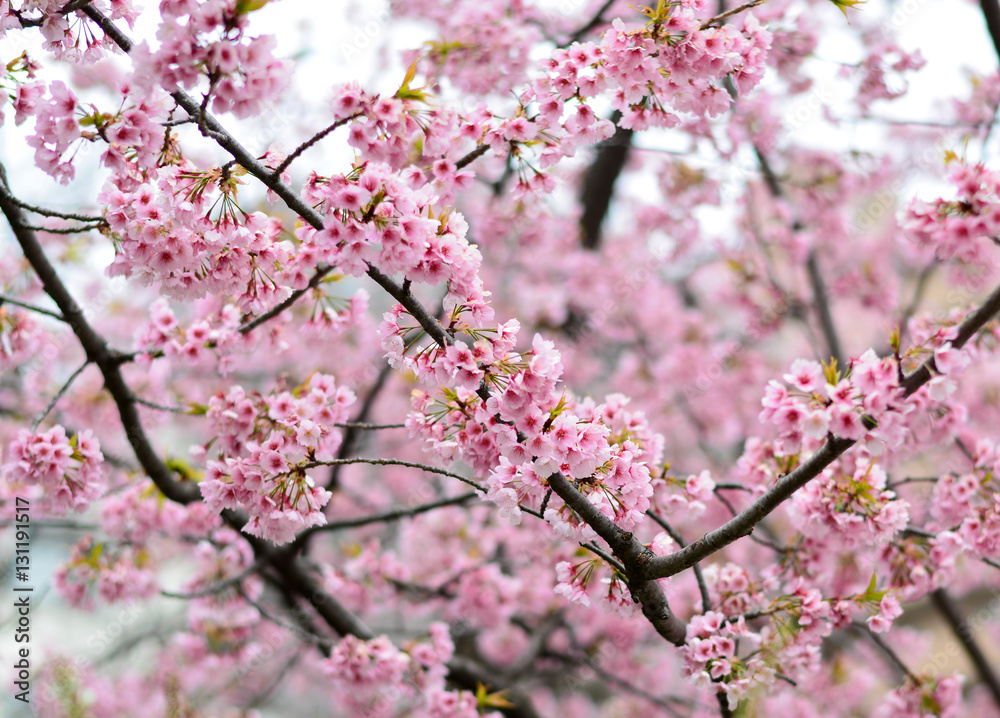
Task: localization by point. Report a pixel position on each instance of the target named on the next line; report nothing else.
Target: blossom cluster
(577, 583)
(68, 470)
(375, 671)
(138, 513)
(209, 40)
(135, 140)
(64, 38)
(374, 218)
(222, 623)
(861, 406)
(529, 428)
(267, 445)
(968, 500)
(482, 48)
(164, 233)
(853, 508)
(115, 573)
(732, 590)
(366, 577)
(20, 337)
(924, 697)
(16, 85)
(710, 656)
(953, 228)
(56, 130)
(191, 343)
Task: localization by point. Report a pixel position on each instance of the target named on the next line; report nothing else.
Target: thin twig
(301, 633)
(471, 157)
(729, 13)
(352, 436)
(221, 585)
(887, 650)
(918, 293)
(4, 299)
(59, 394)
(706, 599)
(609, 677)
(59, 230)
(597, 551)
(399, 462)
(362, 426)
(312, 141)
(45, 212)
(387, 516)
(160, 407)
(821, 301)
(289, 301)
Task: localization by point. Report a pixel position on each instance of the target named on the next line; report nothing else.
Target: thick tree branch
(952, 613)
(633, 555)
(991, 13)
(96, 350)
(211, 128)
(599, 182)
(744, 523)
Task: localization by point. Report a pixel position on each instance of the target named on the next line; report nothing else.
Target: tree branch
(591, 24)
(4, 299)
(821, 300)
(699, 577)
(599, 182)
(387, 516)
(991, 13)
(735, 11)
(211, 128)
(310, 142)
(59, 394)
(96, 350)
(633, 555)
(744, 523)
(952, 613)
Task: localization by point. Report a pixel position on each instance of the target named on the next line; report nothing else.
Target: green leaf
(405, 92)
(844, 4)
(491, 700)
(183, 469)
(245, 6)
